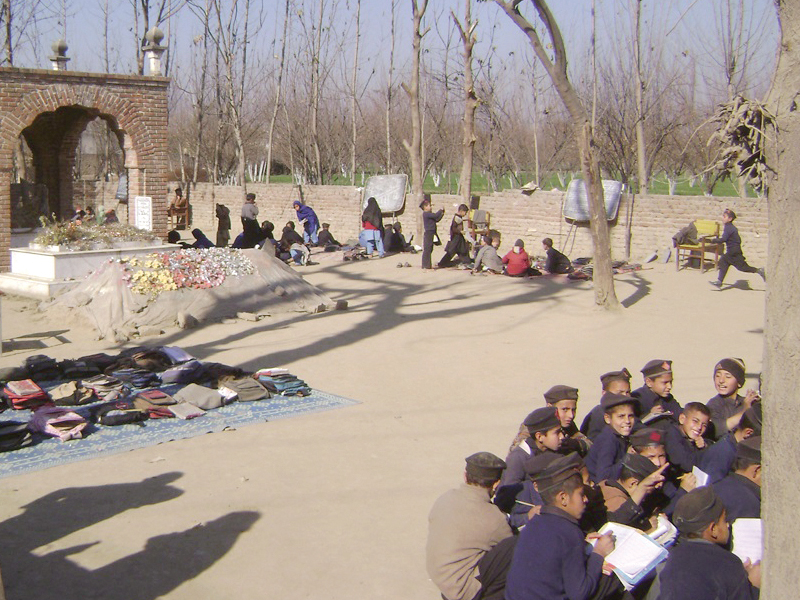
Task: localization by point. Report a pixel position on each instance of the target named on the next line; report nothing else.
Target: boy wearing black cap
(733, 256)
(429, 221)
(699, 567)
(605, 456)
(545, 433)
(728, 406)
(719, 458)
(565, 400)
(616, 382)
(624, 496)
(470, 544)
(685, 441)
(741, 490)
(656, 402)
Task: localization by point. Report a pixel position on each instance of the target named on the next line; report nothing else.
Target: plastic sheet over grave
(106, 301)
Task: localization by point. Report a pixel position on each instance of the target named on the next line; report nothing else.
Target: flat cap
(561, 468)
(560, 392)
(639, 465)
(646, 437)
(542, 419)
(697, 510)
(536, 464)
(622, 375)
(609, 401)
(734, 366)
(657, 367)
(485, 465)
(750, 449)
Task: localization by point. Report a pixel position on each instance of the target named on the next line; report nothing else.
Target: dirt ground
(334, 505)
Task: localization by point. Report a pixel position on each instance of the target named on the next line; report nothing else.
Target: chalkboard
(388, 190)
(576, 206)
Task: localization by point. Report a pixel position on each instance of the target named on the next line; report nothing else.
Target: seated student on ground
(545, 435)
(395, 241)
(470, 544)
(565, 400)
(615, 382)
(556, 262)
(685, 441)
(699, 567)
(728, 405)
(604, 459)
(740, 491)
(624, 496)
(718, 460)
(291, 243)
(552, 560)
(201, 241)
(487, 258)
(327, 240)
(517, 261)
(656, 403)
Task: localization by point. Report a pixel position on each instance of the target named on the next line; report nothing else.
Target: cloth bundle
(246, 389)
(283, 383)
(138, 378)
(72, 393)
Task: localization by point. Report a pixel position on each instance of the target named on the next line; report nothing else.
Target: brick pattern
(51, 109)
(653, 219)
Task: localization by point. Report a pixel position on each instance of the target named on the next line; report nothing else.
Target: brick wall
(653, 219)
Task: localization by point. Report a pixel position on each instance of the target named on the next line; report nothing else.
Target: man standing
(470, 543)
(733, 256)
(252, 232)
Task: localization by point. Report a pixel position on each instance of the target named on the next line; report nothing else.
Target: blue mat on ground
(105, 440)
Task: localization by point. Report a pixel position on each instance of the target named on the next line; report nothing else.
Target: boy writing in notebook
(605, 456)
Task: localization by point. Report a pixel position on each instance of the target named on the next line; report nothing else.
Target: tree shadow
(166, 561)
(641, 290)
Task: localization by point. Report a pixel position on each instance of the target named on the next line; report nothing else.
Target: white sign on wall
(143, 212)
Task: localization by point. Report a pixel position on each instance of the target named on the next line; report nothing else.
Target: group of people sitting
(525, 528)
(89, 217)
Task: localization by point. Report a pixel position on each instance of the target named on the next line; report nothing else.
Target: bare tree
(148, 17)
(389, 94)
(354, 96)
(556, 68)
(468, 39)
(641, 150)
(278, 91)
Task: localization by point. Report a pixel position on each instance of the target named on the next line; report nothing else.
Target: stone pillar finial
(153, 50)
(59, 58)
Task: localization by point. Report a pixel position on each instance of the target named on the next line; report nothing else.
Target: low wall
(653, 219)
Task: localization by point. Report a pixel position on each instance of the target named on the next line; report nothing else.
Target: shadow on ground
(165, 563)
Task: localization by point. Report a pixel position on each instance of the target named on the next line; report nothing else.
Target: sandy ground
(334, 505)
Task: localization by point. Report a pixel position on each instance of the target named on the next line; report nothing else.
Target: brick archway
(52, 108)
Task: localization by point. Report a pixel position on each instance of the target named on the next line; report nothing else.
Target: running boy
(733, 256)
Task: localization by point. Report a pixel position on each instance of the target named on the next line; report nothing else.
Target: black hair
(625, 474)
(548, 242)
(745, 423)
(549, 490)
(463, 208)
(741, 463)
(697, 407)
(484, 482)
(173, 237)
(250, 197)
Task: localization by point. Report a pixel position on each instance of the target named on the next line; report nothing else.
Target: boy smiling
(604, 459)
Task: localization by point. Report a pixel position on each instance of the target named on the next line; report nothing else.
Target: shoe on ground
(407, 264)
(715, 283)
(399, 265)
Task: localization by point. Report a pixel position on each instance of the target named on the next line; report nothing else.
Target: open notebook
(635, 553)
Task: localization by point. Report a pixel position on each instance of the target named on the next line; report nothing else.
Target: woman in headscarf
(308, 219)
(371, 236)
(201, 241)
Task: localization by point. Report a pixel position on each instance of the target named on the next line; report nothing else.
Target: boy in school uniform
(733, 256)
(624, 497)
(656, 403)
(685, 441)
(545, 435)
(718, 460)
(429, 221)
(728, 405)
(740, 491)
(565, 401)
(699, 567)
(458, 245)
(470, 544)
(604, 459)
(616, 382)
(552, 560)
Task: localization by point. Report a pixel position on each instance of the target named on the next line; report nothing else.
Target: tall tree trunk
(354, 97)
(315, 75)
(468, 39)
(389, 93)
(641, 152)
(278, 90)
(782, 332)
(603, 276)
(6, 16)
(414, 148)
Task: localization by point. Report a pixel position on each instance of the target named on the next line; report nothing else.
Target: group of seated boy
(525, 528)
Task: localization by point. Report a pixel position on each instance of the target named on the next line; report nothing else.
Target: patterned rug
(104, 440)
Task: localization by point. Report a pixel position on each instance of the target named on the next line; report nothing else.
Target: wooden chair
(479, 222)
(178, 217)
(705, 229)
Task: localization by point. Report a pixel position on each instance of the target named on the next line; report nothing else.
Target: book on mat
(747, 539)
(635, 553)
(24, 387)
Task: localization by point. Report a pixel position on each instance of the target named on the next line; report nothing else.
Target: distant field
(480, 185)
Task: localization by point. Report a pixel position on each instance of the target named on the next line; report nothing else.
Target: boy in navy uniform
(470, 544)
(656, 403)
(429, 221)
(741, 490)
(685, 441)
(699, 567)
(733, 256)
(545, 433)
(624, 497)
(552, 560)
(565, 400)
(616, 382)
(728, 405)
(718, 460)
(604, 459)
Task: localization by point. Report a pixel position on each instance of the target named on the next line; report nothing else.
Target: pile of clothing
(67, 399)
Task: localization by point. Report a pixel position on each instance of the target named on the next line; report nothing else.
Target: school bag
(14, 435)
(58, 422)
